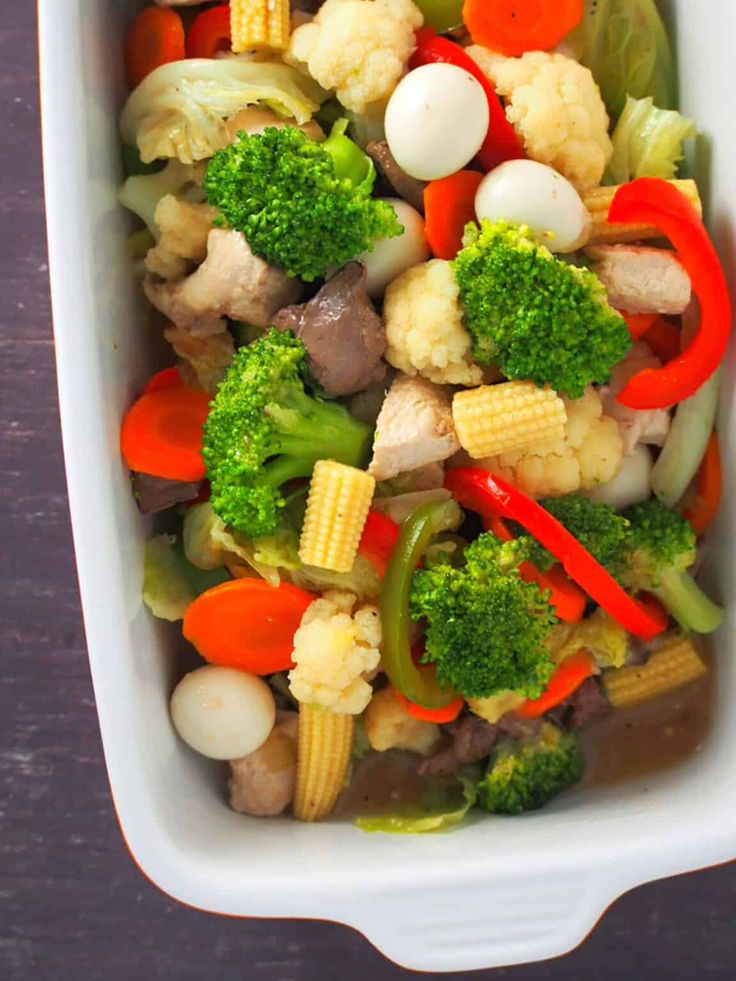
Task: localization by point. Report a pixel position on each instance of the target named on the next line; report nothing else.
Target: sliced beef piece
(155, 494)
(341, 331)
(512, 728)
(231, 282)
(408, 188)
(414, 428)
(641, 279)
(584, 707)
(472, 739)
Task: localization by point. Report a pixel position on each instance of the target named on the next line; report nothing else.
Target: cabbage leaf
(179, 110)
(625, 45)
(647, 142)
(444, 805)
(170, 582)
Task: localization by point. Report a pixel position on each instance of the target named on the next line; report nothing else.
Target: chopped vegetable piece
(524, 775)
(161, 433)
(651, 201)
(639, 323)
(323, 756)
(703, 507)
(598, 201)
(664, 339)
(448, 713)
(339, 499)
(444, 805)
(568, 677)
(259, 24)
(441, 15)
(418, 685)
(170, 582)
(625, 45)
(155, 38)
(682, 454)
(209, 33)
(673, 664)
(481, 491)
(247, 624)
(647, 142)
(514, 415)
(501, 143)
(378, 541)
(515, 26)
(449, 204)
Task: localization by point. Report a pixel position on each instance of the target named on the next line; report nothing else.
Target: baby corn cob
(323, 754)
(514, 415)
(598, 202)
(673, 664)
(259, 24)
(339, 499)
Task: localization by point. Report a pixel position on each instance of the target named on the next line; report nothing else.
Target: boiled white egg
(392, 256)
(223, 713)
(530, 193)
(436, 121)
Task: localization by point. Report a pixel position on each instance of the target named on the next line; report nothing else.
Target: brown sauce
(649, 737)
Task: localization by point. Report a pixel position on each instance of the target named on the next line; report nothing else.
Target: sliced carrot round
(513, 27)
(155, 38)
(568, 677)
(247, 624)
(639, 323)
(210, 33)
(706, 499)
(161, 433)
(449, 204)
(168, 378)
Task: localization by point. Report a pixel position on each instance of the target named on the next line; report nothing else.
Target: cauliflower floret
(424, 326)
(336, 654)
(556, 108)
(183, 228)
(589, 453)
(359, 48)
(204, 359)
(389, 726)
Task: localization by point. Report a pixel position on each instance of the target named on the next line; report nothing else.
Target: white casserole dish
(502, 891)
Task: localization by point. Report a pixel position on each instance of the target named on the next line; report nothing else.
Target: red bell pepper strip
(501, 142)
(379, 538)
(449, 204)
(664, 339)
(706, 499)
(448, 713)
(652, 201)
(568, 677)
(209, 33)
(481, 491)
(639, 323)
(567, 598)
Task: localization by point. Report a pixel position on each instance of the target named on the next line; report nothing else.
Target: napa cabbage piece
(445, 804)
(647, 142)
(170, 582)
(625, 45)
(179, 110)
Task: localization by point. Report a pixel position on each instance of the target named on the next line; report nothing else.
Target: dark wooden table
(73, 906)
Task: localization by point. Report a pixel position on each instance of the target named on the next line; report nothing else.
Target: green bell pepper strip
(442, 15)
(349, 160)
(419, 685)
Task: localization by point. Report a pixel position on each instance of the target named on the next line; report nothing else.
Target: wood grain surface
(72, 904)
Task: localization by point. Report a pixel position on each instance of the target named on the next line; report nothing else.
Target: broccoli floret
(598, 527)
(486, 629)
(539, 318)
(524, 775)
(659, 549)
(281, 190)
(263, 430)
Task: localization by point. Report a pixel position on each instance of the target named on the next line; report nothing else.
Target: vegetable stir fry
(435, 460)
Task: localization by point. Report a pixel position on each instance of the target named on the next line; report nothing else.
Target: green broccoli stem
(687, 602)
(310, 430)
(284, 468)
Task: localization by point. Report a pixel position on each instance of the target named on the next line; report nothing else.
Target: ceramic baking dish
(501, 891)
